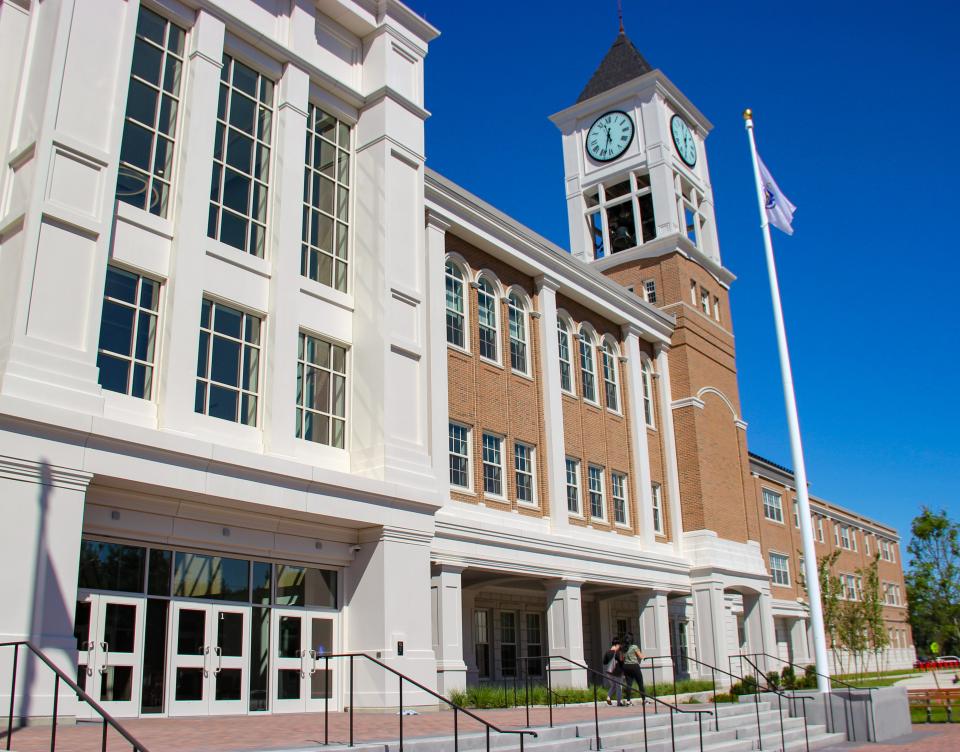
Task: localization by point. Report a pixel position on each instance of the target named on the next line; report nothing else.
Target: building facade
(271, 389)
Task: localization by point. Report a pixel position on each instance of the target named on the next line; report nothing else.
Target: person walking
(631, 667)
(612, 671)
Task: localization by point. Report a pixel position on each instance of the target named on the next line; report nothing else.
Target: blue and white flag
(778, 207)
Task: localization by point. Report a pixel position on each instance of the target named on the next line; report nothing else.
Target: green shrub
(724, 697)
(788, 678)
(747, 686)
(485, 696)
(773, 679)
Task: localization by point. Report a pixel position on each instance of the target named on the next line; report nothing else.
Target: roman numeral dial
(609, 136)
(683, 140)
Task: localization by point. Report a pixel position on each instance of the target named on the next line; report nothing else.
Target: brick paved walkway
(264, 732)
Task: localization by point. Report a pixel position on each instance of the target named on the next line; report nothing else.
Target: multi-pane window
(610, 377)
(566, 367)
(845, 536)
(321, 391)
(619, 214)
(853, 539)
(573, 486)
(508, 643)
(849, 586)
(523, 472)
(796, 514)
(772, 505)
(647, 380)
(481, 641)
(588, 378)
(820, 536)
(150, 123)
(650, 291)
(241, 159)
(595, 480)
(228, 364)
(779, 569)
(128, 333)
(534, 644)
(690, 209)
(459, 445)
(518, 333)
(866, 543)
(456, 333)
(618, 486)
(487, 319)
(705, 301)
(657, 503)
(693, 293)
(326, 200)
(716, 309)
(492, 464)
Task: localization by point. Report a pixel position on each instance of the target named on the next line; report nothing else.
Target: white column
(468, 597)
(553, 404)
(565, 631)
(42, 509)
(61, 146)
(670, 443)
(761, 635)
(446, 605)
(798, 641)
(184, 290)
(655, 633)
(638, 434)
(388, 603)
(282, 325)
(709, 621)
(439, 405)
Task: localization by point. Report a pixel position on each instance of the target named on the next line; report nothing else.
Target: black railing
(606, 678)
(60, 676)
(401, 678)
(780, 697)
(868, 716)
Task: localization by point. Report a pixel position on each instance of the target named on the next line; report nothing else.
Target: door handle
(105, 646)
(89, 648)
(219, 667)
(206, 652)
(313, 666)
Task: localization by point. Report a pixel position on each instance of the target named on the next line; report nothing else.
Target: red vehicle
(938, 664)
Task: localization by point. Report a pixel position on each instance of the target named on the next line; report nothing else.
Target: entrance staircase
(738, 733)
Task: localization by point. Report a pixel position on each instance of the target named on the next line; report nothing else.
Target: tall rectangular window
(845, 536)
(597, 506)
(618, 484)
(321, 391)
(481, 641)
(820, 536)
(508, 643)
(647, 384)
(459, 444)
(492, 464)
(455, 308)
(326, 200)
(517, 320)
(487, 319)
(241, 159)
(609, 358)
(796, 514)
(573, 486)
(779, 569)
(566, 368)
(657, 500)
(128, 333)
(523, 472)
(650, 291)
(228, 364)
(772, 505)
(534, 644)
(150, 123)
(588, 379)
(705, 301)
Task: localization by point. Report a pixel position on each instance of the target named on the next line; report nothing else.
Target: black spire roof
(622, 63)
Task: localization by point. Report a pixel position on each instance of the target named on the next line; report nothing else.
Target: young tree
(872, 607)
(831, 591)
(933, 581)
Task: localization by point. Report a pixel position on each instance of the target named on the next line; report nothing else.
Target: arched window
(566, 367)
(455, 307)
(645, 376)
(518, 333)
(611, 391)
(588, 373)
(487, 319)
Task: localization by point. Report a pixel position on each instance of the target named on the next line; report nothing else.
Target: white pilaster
(638, 434)
(565, 631)
(655, 633)
(709, 621)
(552, 404)
(439, 405)
(798, 641)
(446, 605)
(670, 444)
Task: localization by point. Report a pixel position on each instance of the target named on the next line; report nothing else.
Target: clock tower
(640, 210)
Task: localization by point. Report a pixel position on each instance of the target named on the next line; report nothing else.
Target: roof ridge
(623, 62)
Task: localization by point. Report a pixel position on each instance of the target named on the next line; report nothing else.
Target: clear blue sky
(856, 108)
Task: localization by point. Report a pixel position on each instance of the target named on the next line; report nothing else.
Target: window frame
(650, 290)
(779, 576)
(646, 391)
(502, 493)
(597, 206)
(488, 289)
(656, 504)
(620, 479)
(779, 506)
(463, 313)
(610, 353)
(572, 471)
(467, 457)
(588, 348)
(531, 472)
(517, 318)
(598, 492)
(301, 409)
(563, 333)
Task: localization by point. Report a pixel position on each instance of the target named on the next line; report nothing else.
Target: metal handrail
(846, 685)
(673, 708)
(403, 677)
(108, 720)
(780, 695)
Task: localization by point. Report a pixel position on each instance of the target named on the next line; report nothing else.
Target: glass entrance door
(303, 680)
(209, 661)
(109, 631)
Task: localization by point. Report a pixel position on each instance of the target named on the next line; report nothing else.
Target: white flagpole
(796, 448)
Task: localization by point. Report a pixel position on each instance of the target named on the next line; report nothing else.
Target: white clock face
(683, 140)
(609, 136)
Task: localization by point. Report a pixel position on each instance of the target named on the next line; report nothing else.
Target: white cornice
(688, 402)
(43, 473)
(673, 243)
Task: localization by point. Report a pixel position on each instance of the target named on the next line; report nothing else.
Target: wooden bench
(931, 698)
